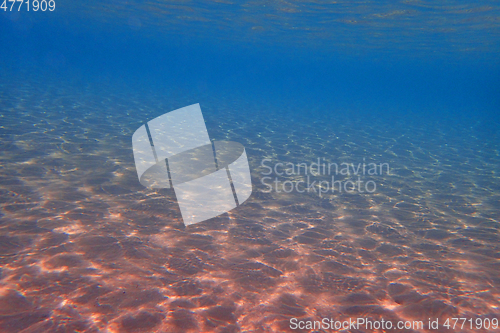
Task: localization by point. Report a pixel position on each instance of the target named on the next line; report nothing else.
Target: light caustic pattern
(84, 247)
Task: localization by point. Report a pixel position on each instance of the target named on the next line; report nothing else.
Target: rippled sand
(84, 247)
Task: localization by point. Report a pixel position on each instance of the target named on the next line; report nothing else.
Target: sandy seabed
(84, 247)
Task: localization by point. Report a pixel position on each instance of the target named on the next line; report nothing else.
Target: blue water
(416, 85)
